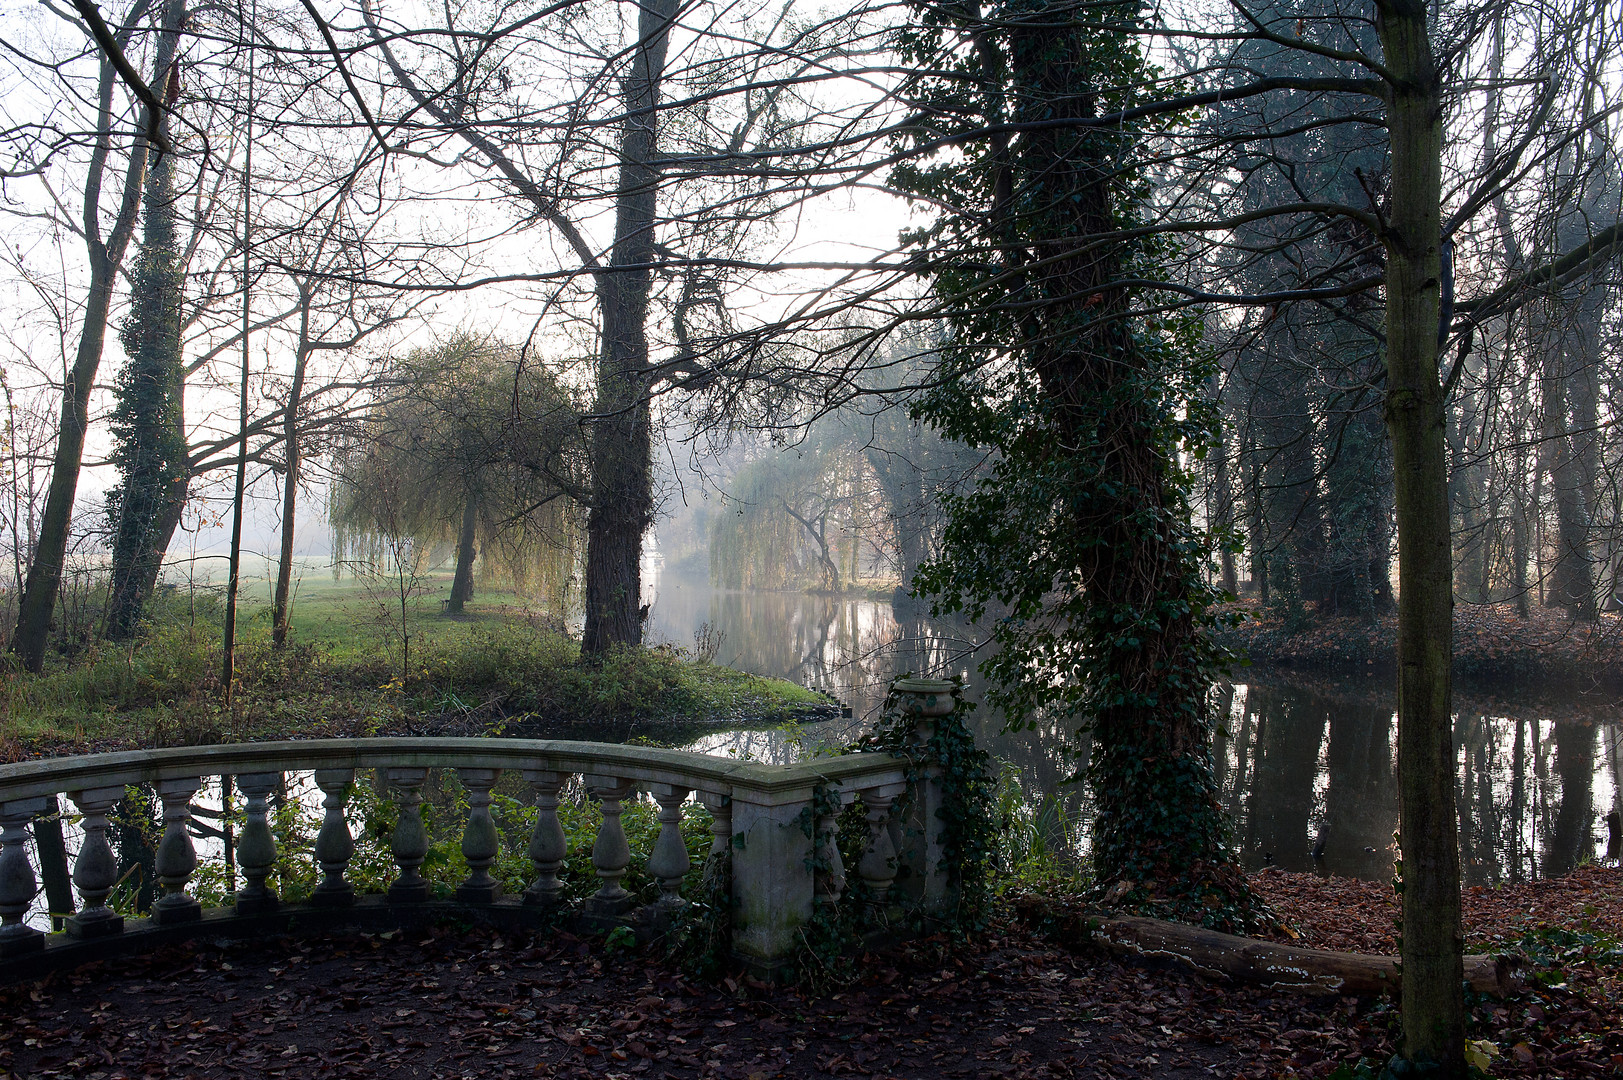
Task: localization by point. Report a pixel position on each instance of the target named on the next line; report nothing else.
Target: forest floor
(457, 1003)
(1492, 644)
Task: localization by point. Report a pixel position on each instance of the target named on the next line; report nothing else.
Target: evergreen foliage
(1080, 539)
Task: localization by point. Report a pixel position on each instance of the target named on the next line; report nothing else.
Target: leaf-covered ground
(457, 1003)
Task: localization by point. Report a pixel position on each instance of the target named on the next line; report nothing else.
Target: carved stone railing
(762, 814)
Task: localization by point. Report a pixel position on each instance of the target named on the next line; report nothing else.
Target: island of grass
(353, 667)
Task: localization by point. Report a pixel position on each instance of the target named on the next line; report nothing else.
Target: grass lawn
(351, 667)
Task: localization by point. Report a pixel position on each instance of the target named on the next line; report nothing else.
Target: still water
(1307, 767)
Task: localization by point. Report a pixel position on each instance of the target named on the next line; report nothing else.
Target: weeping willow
(798, 518)
(754, 544)
(470, 456)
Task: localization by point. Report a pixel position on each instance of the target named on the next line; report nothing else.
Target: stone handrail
(762, 815)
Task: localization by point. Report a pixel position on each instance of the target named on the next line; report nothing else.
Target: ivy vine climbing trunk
(105, 256)
(1083, 530)
(622, 500)
(148, 420)
(1432, 1001)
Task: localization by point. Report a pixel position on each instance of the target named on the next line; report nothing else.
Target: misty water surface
(1307, 767)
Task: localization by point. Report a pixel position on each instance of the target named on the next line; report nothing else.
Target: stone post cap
(926, 697)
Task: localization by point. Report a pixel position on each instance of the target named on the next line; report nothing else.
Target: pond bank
(1493, 646)
(500, 676)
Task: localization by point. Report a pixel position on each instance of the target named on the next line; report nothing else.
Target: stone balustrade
(781, 865)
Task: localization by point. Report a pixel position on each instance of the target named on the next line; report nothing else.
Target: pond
(1307, 767)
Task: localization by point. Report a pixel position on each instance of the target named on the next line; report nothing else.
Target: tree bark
(282, 602)
(1280, 967)
(622, 506)
(150, 421)
(462, 580)
(38, 602)
(1432, 1004)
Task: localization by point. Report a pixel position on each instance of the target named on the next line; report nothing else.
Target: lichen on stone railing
(758, 812)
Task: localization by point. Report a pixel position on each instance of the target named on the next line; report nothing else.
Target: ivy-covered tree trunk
(1433, 940)
(1084, 529)
(148, 420)
(622, 504)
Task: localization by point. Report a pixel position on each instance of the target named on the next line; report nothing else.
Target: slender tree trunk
(622, 440)
(462, 581)
(1432, 1002)
(1223, 512)
(282, 603)
(228, 638)
(38, 601)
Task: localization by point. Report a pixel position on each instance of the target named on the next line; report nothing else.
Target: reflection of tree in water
(1278, 818)
(1575, 768)
(1307, 764)
(1361, 800)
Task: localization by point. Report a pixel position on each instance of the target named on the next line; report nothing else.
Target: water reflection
(1307, 768)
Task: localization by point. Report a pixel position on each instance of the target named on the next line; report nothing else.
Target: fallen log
(1281, 967)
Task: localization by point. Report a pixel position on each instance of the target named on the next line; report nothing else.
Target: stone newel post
(921, 879)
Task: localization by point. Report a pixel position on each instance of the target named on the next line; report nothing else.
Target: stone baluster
(409, 842)
(334, 844)
(481, 844)
(548, 845)
(256, 846)
(18, 886)
(669, 860)
(830, 884)
(877, 867)
(721, 824)
(176, 857)
(95, 871)
(610, 854)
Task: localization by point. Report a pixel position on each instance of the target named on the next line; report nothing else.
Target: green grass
(346, 670)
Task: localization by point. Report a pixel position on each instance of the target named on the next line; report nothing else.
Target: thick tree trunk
(150, 420)
(38, 602)
(622, 441)
(1432, 1005)
(462, 580)
(1561, 453)
(1159, 825)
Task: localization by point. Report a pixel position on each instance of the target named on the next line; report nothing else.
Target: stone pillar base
(22, 941)
(178, 913)
(333, 898)
(89, 929)
(609, 909)
(257, 905)
(479, 894)
(414, 893)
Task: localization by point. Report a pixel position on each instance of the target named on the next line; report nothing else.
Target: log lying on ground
(1282, 967)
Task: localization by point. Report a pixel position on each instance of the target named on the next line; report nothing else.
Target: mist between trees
(1314, 302)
